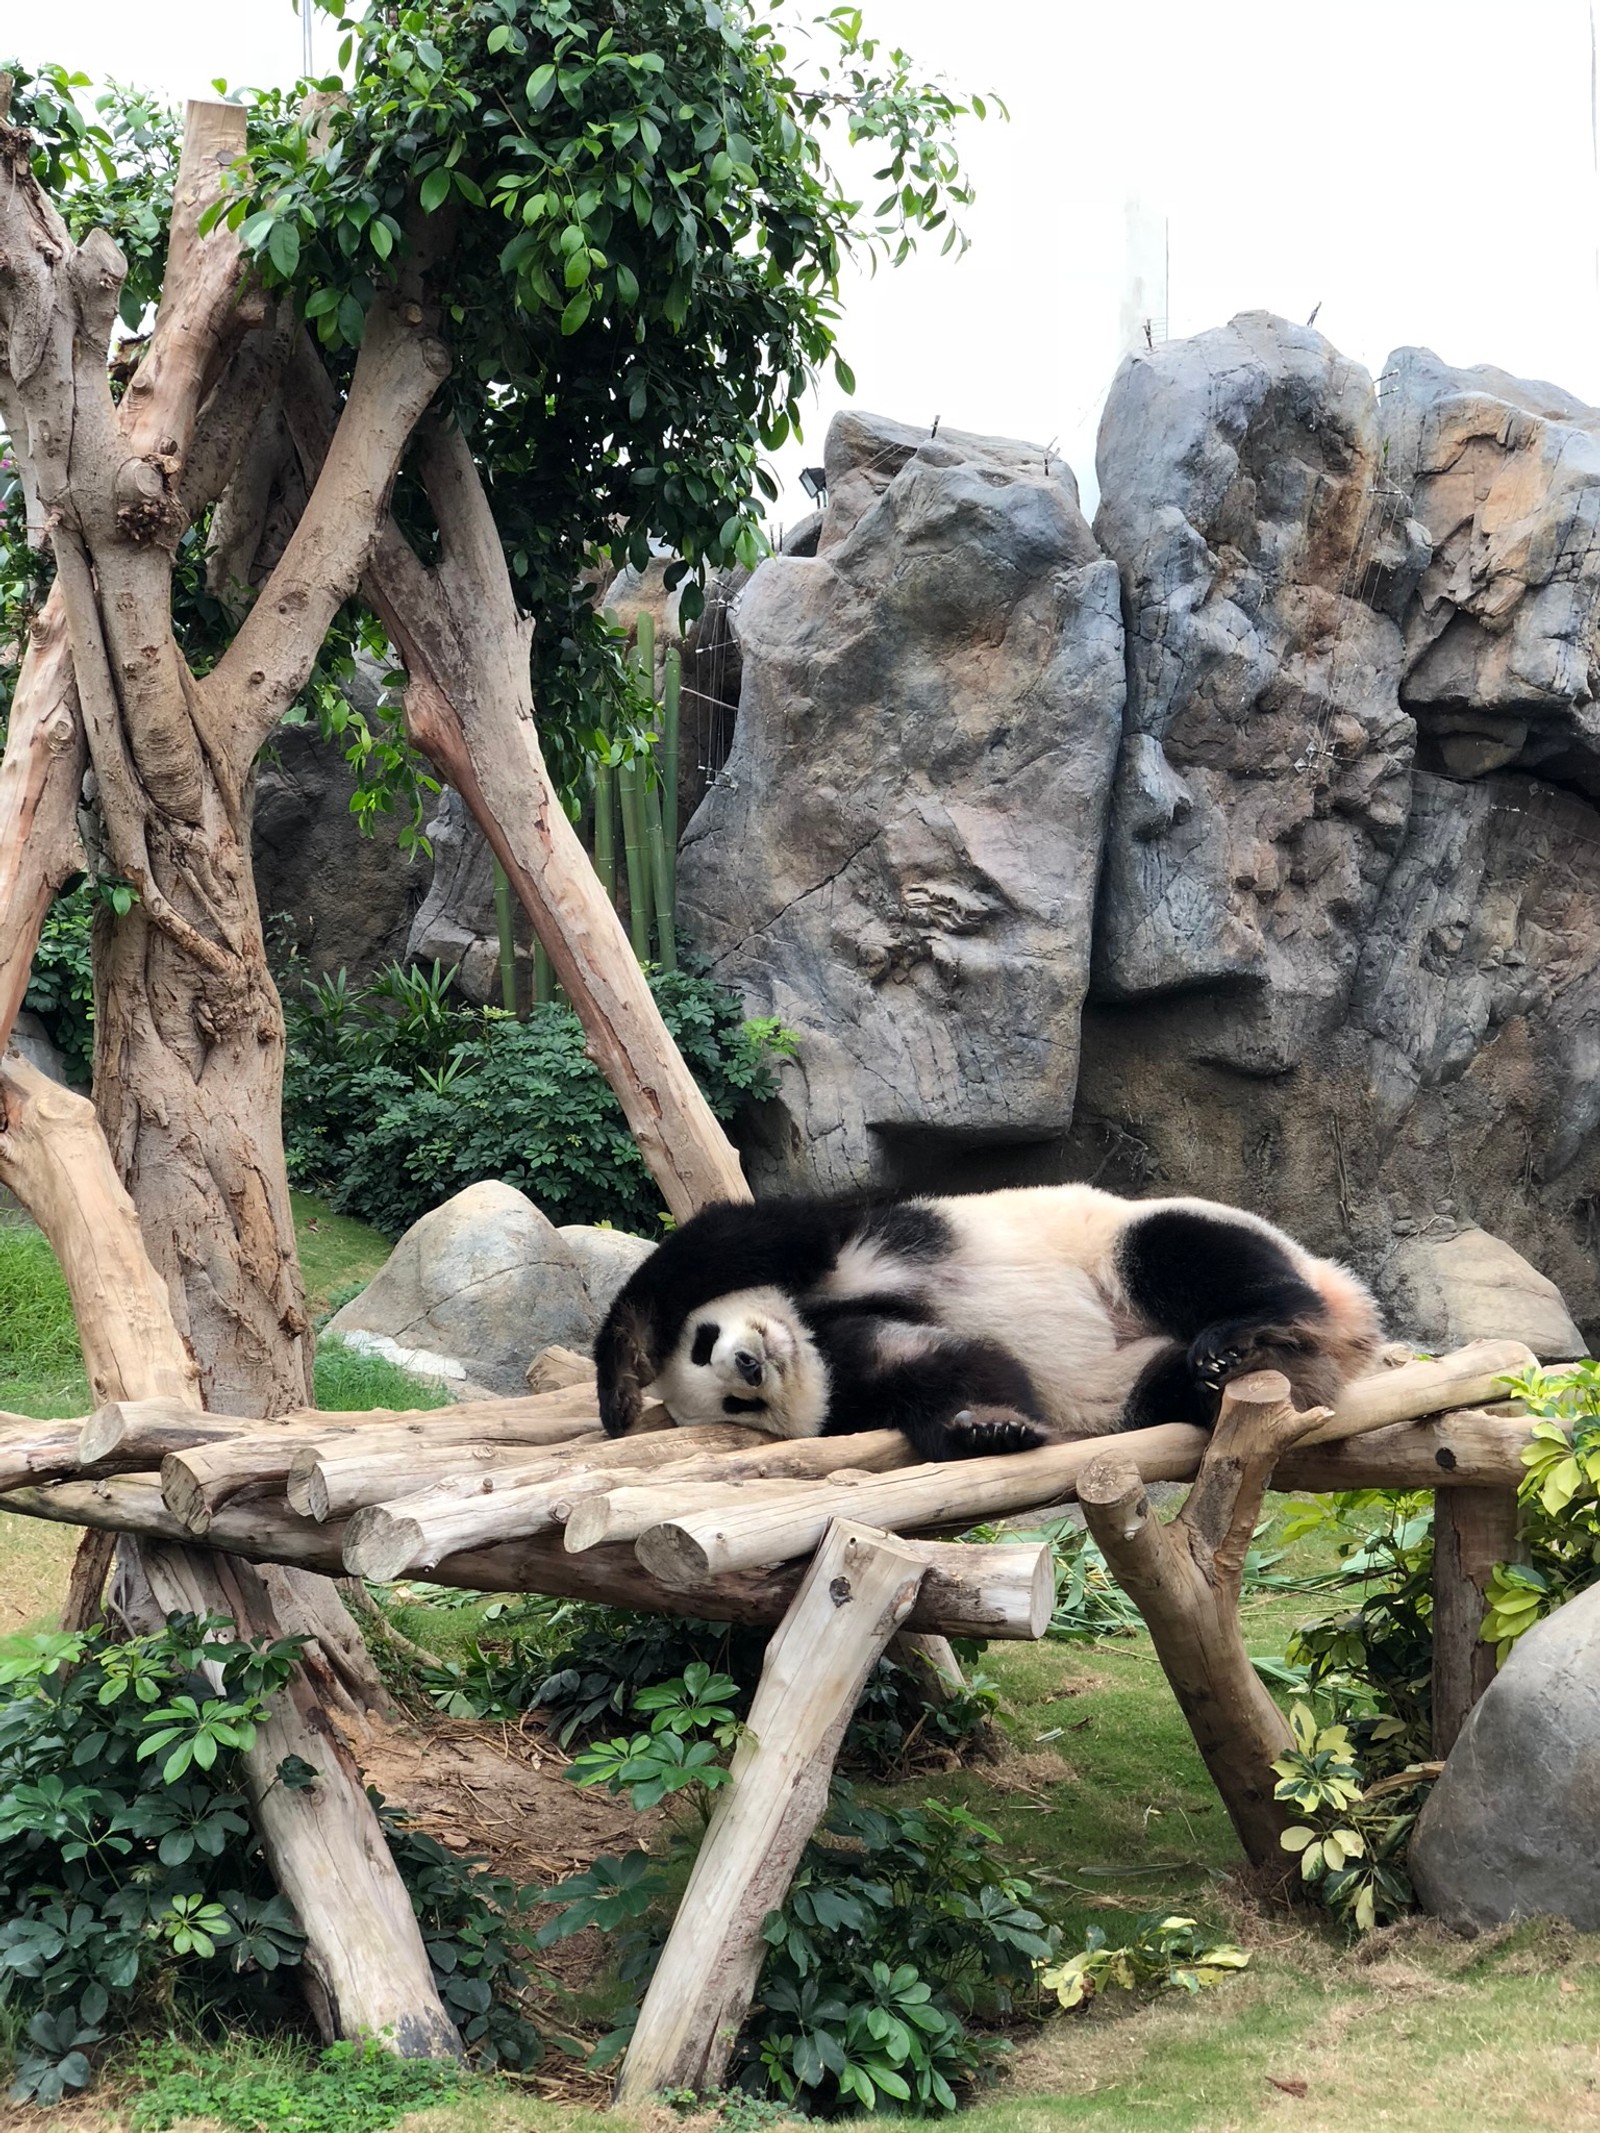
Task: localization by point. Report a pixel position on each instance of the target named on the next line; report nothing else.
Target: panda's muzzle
(748, 1365)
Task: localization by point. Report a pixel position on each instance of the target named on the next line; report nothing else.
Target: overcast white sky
(1422, 169)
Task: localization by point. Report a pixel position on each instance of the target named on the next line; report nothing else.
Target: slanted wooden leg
(1473, 1529)
(1184, 1579)
(364, 1955)
(861, 1586)
(933, 1662)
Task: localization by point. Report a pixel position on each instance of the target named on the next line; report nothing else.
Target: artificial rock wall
(1247, 845)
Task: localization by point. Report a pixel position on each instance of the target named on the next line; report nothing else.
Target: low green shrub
(1164, 1954)
(1352, 1846)
(128, 1874)
(349, 2088)
(396, 1096)
(588, 1667)
(900, 1925)
(132, 1887)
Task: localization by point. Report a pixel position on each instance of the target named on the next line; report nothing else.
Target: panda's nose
(747, 1365)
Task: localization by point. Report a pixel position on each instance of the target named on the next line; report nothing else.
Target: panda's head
(746, 1358)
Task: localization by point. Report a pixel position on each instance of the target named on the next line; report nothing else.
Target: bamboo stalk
(605, 828)
(544, 979)
(660, 877)
(671, 694)
(506, 937)
(634, 853)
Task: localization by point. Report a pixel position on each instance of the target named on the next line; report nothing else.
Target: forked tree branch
(399, 369)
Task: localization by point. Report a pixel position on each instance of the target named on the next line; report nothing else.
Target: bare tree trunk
(469, 708)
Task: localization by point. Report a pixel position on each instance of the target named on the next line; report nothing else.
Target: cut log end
(381, 1545)
(306, 1486)
(184, 1495)
(676, 1556)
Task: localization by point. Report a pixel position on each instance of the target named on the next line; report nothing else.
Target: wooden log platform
(527, 1494)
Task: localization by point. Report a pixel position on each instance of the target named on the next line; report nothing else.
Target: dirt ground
(500, 1790)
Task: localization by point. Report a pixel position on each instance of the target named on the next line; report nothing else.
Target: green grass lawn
(41, 1374)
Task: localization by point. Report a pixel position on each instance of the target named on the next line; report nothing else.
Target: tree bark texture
(189, 1033)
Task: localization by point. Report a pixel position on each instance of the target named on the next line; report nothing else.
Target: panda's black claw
(975, 1431)
(1215, 1362)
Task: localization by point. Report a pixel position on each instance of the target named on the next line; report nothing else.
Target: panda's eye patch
(705, 1339)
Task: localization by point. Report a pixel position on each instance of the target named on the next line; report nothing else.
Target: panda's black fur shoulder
(926, 1315)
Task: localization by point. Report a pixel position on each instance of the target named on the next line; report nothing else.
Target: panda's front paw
(1215, 1358)
(978, 1430)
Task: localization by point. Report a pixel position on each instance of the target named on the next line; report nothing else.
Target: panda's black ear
(624, 1366)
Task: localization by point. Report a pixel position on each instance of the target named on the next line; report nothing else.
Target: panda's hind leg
(954, 1398)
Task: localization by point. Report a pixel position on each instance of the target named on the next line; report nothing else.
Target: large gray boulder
(1442, 1292)
(604, 1259)
(1264, 783)
(1357, 991)
(900, 857)
(484, 1282)
(455, 924)
(1512, 1828)
(30, 1037)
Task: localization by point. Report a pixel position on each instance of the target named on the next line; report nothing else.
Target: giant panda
(992, 1322)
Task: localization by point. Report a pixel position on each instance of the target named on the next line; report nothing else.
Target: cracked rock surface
(900, 858)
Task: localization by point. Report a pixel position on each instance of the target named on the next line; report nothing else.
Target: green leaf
(576, 312)
(283, 248)
(435, 190)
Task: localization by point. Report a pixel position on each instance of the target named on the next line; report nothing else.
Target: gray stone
(1500, 634)
(1509, 1830)
(899, 858)
(344, 900)
(1442, 1292)
(30, 1037)
(455, 925)
(1265, 778)
(604, 1259)
(484, 1281)
(1330, 983)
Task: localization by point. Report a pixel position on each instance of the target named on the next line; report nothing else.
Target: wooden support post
(859, 1590)
(368, 1968)
(1184, 1579)
(1473, 1529)
(91, 1566)
(326, 1851)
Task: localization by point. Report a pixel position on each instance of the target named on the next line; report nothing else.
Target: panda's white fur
(1036, 1270)
(758, 1326)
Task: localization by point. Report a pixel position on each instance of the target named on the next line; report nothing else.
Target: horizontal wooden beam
(1005, 1590)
